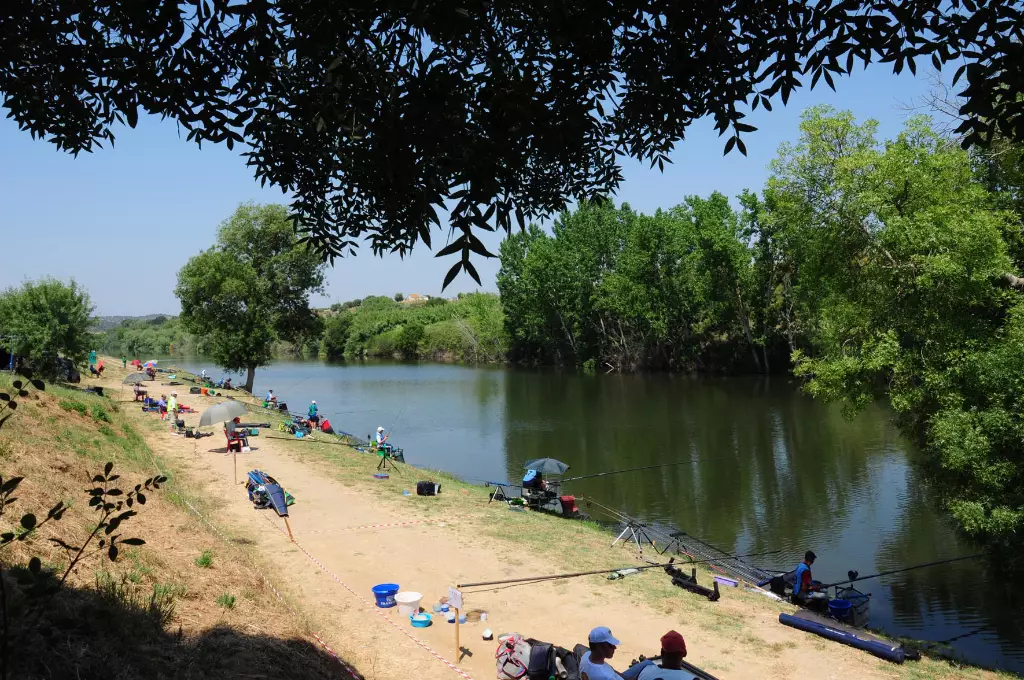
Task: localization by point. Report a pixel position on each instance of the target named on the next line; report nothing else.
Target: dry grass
(153, 613)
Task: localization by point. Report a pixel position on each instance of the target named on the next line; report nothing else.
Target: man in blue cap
(602, 646)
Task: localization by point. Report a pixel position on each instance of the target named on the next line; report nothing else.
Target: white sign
(454, 598)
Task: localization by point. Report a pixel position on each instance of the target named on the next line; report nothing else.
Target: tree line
(873, 270)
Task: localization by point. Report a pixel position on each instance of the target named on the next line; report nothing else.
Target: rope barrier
(351, 671)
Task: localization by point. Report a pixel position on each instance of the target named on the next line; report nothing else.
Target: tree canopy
(250, 289)
(376, 116)
(46, 319)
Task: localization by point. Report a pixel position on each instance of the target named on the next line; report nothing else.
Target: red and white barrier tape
(387, 525)
(378, 611)
(316, 636)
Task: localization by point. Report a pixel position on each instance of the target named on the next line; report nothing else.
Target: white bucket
(408, 603)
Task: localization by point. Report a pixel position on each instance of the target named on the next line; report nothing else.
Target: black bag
(542, 661)
(427, 489)
(194, 390)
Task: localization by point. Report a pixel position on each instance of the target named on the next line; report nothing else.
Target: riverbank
(353, 531)
(186, 604)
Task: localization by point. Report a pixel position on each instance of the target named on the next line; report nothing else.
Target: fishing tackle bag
(512, 657)
(427, 489)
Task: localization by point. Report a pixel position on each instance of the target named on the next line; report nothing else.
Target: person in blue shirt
(314, 416)
(804, 587)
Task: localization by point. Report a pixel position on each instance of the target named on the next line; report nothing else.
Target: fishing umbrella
(222, 413)
(547, 466)
(134, 362)
(131, 379)
(151, 362)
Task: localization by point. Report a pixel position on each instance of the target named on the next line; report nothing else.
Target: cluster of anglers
(521, 658)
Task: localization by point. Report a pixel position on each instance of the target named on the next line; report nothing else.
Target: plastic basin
(408, 603)
(840, 609)
(384, 593)
(420, 620)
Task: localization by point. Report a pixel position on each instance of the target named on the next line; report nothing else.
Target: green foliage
(902, 258)
(335, 335)
(469, 329)
(158, 336)
(100, 413)
(409, 338)
(73, 405)
(205, 560)
(46, 319)
(399, 297)
(226, 600)
(619, 290)
(251, 289)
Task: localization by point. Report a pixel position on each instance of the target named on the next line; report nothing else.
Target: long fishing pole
(599, 571)
(897, 571)
(616, 472)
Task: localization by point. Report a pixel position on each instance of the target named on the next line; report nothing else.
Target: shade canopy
(222, 413)
(548, 466)
(135, 378)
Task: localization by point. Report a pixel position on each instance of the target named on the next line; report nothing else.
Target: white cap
(314, 401)
(174, 394)
(380, 429)
(603, 634)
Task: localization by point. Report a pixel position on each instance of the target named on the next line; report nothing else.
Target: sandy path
(428, 556)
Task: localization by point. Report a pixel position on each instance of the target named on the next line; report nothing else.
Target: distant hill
(102, 323)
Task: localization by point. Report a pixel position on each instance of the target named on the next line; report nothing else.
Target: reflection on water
(764, 468)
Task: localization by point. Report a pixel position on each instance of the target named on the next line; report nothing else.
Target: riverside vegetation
(873, 271)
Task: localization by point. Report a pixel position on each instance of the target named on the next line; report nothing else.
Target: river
(772, 469)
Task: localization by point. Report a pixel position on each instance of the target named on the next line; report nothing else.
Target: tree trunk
(745, 321)
(250, 376)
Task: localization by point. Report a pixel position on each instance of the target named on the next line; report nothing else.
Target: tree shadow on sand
(113, 631)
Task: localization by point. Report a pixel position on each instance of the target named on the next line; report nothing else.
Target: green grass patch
(100, 413)
(205, 560)
(73, 405)
(226, 600)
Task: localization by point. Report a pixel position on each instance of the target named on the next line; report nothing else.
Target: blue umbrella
(548, 466)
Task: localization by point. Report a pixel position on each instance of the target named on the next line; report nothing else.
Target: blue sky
(122, 221)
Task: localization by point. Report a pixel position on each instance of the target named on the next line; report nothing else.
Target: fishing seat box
(427, 489)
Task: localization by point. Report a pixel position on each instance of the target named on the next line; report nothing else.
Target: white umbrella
(222, 413)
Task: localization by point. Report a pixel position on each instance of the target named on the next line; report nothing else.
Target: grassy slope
(154, 612)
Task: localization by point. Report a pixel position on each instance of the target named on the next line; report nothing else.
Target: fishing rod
(593, 573)
(897, 571)
(616, 472)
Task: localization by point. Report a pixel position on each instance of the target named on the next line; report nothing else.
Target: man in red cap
(673, 649)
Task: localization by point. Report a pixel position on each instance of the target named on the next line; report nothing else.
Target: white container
(408, 603)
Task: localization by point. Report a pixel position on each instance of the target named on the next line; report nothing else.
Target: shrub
(227, 601)
(100, 413)
(205, 560)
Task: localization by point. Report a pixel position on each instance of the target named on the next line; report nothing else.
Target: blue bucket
(385, 594)
(840, 609)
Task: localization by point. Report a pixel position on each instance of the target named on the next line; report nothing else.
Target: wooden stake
(289, 528)
(457, 648)
(234, 457)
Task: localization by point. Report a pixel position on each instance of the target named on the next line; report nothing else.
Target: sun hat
(380, 429)
(603, 634)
